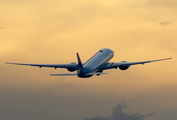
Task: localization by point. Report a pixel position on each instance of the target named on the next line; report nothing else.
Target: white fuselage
(92, 65)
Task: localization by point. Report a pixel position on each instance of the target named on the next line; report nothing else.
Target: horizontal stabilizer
(67, 74)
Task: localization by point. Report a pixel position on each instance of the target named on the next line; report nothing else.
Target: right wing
(68, 66)
(124, 63)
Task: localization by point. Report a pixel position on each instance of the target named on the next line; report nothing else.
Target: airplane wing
(125, 63)
(71, 65)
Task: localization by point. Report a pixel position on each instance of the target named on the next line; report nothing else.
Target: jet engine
(72, 69)
(124, 67)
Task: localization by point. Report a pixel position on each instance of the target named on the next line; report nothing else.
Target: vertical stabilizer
(79, 62)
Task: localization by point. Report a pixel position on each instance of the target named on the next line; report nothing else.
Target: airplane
(94, 66)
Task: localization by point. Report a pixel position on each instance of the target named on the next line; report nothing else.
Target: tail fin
(79, 62)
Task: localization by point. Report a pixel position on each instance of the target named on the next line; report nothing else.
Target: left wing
(124, 63)
(69, 66)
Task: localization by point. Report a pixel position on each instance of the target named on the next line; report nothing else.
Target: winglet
(79, 61)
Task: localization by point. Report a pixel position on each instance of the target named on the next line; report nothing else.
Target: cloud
(165, 23)
(1, 27)
(118, 113)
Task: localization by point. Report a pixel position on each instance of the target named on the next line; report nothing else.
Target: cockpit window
(101, 50)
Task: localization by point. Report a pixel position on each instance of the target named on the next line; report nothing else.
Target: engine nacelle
(72, 69)
(124, 67)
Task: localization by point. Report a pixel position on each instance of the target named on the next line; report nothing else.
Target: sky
(43, 31)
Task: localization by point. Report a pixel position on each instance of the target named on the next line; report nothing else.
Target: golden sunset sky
(44, 31)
